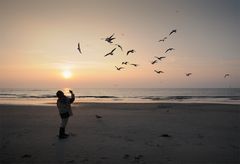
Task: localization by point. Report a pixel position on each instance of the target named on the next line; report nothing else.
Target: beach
(148, 133)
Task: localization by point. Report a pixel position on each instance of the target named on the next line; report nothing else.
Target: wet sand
(126, 133)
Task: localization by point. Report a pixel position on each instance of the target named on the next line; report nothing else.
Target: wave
(105, 97)
(157, 98)
(50, 96)
(152, 98)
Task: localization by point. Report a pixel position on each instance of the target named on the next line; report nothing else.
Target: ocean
(123, 95)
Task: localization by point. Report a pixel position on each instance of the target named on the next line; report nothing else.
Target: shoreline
(47, 103)
(79, 104)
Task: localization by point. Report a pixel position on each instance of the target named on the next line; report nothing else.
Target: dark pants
(64, 117)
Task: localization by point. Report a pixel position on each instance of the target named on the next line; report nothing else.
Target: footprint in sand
(84, 160)
(71, 161)
(126, 156)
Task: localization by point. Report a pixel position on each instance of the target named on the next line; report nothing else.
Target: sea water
(123, 95)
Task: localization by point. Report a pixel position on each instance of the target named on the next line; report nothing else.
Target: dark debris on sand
(26, 156)
(165, 135)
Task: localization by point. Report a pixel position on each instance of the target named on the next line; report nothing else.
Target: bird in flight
(173, 31)
(135, 65)
(226, 75)
(170, 49)
(188, 74)
(131, 51)
(125, 63)
(160, 58)
(119, 46)
(119, 68)
(110, 53)
(158, 71)
(79, 49)
(109, 39)
(162, 40)
(154, 62)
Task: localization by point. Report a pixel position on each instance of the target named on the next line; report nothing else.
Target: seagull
(170, 49)
(188, 74)
(226, 75)
(160, 58)
(119, 68)
(109, 39)
(79, 49)
(153, 62)
(131, 51)
(162, 40)
(135, 65)
(97, 116)
(119, 46)
(173, 31)
(110, 53)
(125, 63)
(158, 71)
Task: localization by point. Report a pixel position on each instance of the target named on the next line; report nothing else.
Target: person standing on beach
(65, 111)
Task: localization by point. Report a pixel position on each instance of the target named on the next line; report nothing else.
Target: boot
(61, 133)
(65, 134)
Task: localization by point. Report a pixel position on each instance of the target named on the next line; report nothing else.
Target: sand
(126, 133)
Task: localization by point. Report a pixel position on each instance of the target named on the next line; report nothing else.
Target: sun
(67, 74)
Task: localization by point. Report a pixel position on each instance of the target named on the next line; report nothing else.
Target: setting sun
(67, 74)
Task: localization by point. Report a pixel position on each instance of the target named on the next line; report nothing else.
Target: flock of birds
(131, 51)
(110, 41)
(158, 59)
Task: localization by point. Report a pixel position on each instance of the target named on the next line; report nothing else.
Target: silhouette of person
(65, 111)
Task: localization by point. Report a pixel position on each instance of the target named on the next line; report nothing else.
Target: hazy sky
(38, 41)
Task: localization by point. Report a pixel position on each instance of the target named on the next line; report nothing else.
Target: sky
(39, 42)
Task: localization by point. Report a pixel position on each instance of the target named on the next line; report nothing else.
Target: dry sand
(127, 133)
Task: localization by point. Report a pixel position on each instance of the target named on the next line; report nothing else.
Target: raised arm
(72, 96)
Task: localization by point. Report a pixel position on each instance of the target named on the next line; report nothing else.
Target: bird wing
(172, 31)
(105, 55)
(112, 36)
(79, 49)
(170, 49)
(226, 75)
(113, 50)
(155, 61)
(120, 46)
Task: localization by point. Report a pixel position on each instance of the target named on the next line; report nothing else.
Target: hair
(59, 93)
